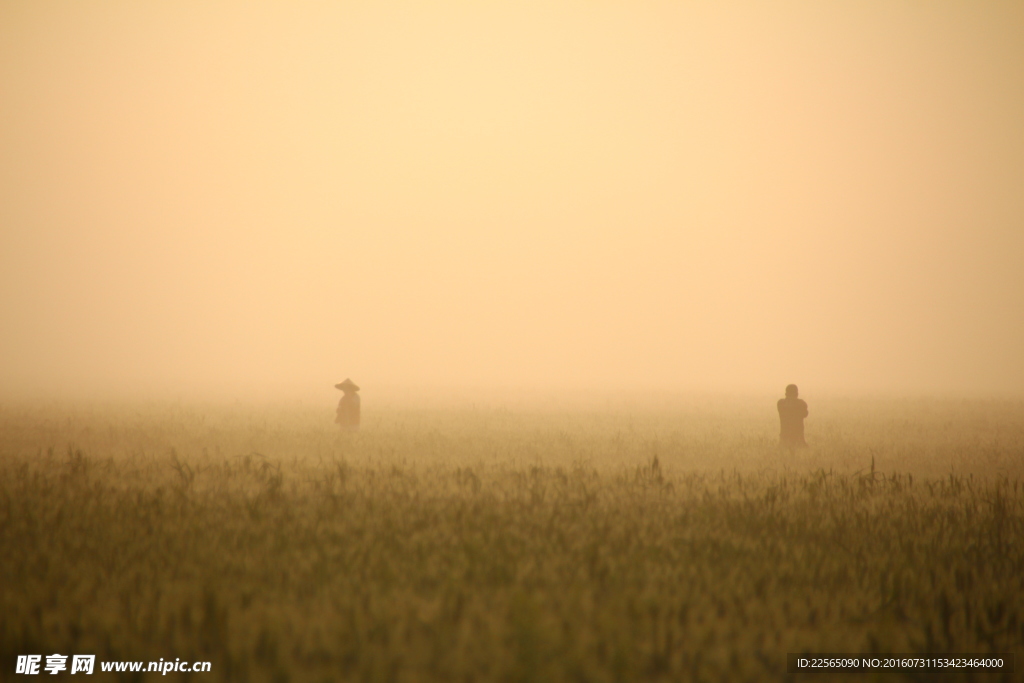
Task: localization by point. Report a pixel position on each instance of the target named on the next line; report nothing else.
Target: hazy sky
(239, 197)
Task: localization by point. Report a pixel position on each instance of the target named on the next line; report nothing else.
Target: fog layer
(269, 197)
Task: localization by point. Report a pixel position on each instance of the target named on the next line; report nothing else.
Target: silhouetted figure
(348, 406)
(792, 412)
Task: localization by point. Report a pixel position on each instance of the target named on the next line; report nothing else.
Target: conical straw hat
(347, 384)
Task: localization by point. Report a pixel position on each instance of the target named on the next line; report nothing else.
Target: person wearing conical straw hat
(348, 407)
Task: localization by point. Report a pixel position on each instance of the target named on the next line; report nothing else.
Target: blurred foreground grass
(492, 545)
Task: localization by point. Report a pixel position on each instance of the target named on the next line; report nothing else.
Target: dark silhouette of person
(792, 411)
(348, 407)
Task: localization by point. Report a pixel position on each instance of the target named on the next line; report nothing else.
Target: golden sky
(202, 197)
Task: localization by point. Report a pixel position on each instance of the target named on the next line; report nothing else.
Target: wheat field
(602, 542)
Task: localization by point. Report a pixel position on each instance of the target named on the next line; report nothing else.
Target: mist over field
(233, 201)
(448, 341)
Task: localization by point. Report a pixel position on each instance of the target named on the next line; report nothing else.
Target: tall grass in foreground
(355, 562)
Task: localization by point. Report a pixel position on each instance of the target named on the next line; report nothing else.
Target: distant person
(792, 411)
(348, 406)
